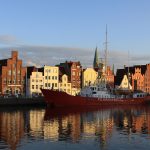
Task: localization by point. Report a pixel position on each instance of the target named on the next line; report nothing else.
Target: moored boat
(61, 99)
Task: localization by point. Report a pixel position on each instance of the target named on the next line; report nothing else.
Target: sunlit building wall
(36, 82)
(89, 77)
(51, 77)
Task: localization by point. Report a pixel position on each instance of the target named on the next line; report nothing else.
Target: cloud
(8, 40)
(47, 55)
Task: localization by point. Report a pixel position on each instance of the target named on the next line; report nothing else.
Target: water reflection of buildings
(133, 120)
(11, 128)
(63, 128)
(36, 119)
(76, 126)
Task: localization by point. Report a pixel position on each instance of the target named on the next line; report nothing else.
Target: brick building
(73, 71)
(139, 77)
(12, 75)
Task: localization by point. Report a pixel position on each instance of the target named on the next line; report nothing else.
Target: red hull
(61, 99)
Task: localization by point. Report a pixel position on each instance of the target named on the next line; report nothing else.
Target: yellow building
(64, 84)
(36, 83)
(51, 77)
(89, 76)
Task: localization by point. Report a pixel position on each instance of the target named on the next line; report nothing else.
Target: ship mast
(106, 42)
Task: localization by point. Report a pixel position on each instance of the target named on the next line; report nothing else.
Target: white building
(51, 77)
(36, 82)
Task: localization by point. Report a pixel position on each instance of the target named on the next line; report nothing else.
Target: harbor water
(114, 128)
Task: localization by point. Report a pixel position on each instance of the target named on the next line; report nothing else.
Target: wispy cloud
(47, 55)
(8, 40)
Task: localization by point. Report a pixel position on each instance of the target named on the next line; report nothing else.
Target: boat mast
(128, 72)
(106, 52)
(106, 42)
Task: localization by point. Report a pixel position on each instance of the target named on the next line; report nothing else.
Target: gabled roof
(119, 76)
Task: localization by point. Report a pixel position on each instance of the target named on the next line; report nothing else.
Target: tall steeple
(96, 60)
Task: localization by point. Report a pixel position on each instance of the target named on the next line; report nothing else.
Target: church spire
(96, 60)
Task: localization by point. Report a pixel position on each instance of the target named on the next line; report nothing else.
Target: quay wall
(22, 102)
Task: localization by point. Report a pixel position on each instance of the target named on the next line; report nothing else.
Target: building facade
(51, 77)
(73, 71)
(12, 76)
(89, 77)
(36, 82)
(147, 79)
(65, 85)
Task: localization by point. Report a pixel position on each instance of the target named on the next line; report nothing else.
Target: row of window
(37, 80)
(65, 90)
(65, 85)
(51, 70)
(51, 85)
(37, 86)
(51, 77)
(13, 72)
(13, 82)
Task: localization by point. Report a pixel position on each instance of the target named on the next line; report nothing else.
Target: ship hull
(62, 99)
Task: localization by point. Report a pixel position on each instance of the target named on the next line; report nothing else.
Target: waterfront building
(138, 75)
(73, 71)
(51, 77)
(110, 77)
(89, 77)
(147, 79)
(122, 82)
(12, 75)
(64, 83)
(36, 82)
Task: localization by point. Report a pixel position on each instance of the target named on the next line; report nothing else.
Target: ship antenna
(128, 71)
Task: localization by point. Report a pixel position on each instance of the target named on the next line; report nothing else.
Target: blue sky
(77, 24)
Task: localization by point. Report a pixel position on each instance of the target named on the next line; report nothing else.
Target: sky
(52, 31)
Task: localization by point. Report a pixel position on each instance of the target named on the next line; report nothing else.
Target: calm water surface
(104, 129)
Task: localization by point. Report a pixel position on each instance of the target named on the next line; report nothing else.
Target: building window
(52, 85)
(55, 77)
(9, 72)
(36, 86)
(14, 82)
(14, 73)
(49, 77)
(55, 84)
(45, 77)
(49, 84)
(18, 71)
(52, 77)
(45, 84)
(32, 80)
(32, 86)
